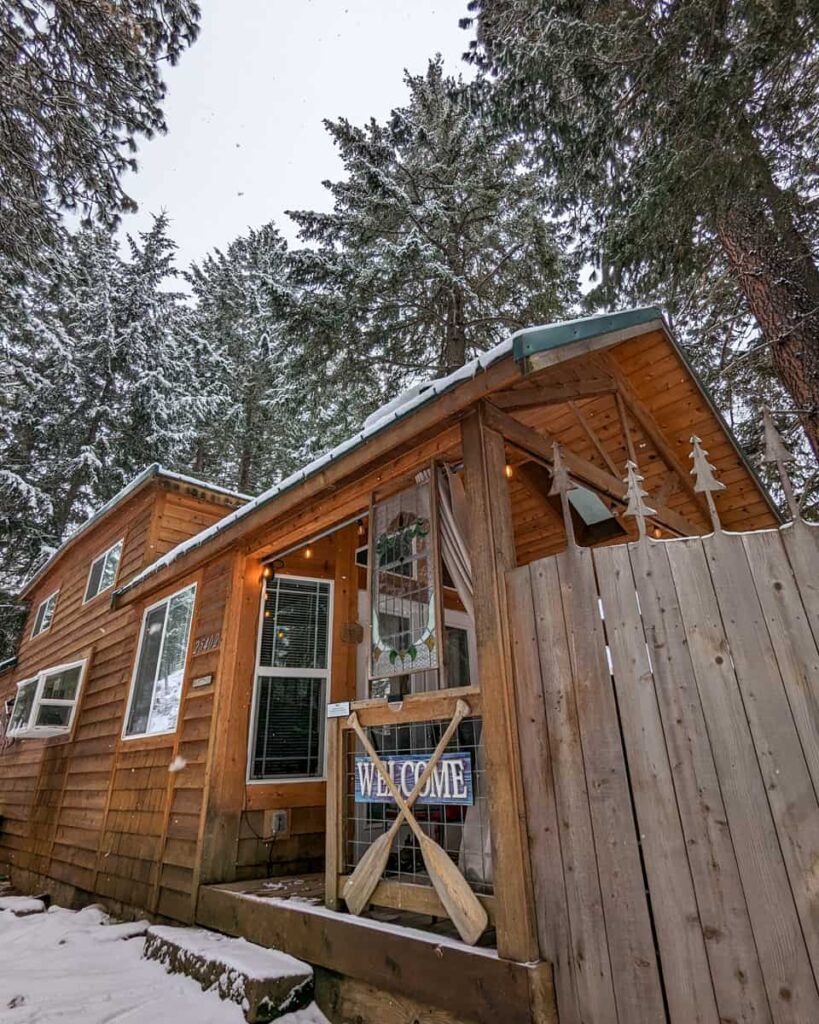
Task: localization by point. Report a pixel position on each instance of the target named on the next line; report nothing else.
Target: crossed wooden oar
(459, 901)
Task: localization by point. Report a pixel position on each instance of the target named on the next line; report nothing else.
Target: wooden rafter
(641, 415)
(594, 438)
(540, 444)
(553, 394)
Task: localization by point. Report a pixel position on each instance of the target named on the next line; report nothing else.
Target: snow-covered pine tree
(95, 387)
(255, 426)
(437, 246)
(78, 83)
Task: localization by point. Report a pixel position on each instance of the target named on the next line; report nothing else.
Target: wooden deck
(387, 950)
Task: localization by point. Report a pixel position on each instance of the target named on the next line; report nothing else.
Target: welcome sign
(449, 783)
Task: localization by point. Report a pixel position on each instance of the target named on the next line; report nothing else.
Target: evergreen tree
(78, 83)
(251, 431)
(437, 246)
(95, 387)
(683, 136)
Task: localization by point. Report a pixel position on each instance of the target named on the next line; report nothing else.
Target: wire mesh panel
(452, 809)
(404, 627)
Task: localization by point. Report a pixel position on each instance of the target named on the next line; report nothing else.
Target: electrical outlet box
(277, 823)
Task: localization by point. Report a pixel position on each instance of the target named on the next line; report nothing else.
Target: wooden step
(264, 982)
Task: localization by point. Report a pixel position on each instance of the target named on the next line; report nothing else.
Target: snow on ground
(80, 967)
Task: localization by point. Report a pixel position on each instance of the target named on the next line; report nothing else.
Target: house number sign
(203, 644)
(449, 783)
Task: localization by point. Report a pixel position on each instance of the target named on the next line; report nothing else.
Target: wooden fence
(668, 698)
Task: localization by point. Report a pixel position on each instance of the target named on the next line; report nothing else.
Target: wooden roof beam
(639, 412)
(540, 445)
(553, 394)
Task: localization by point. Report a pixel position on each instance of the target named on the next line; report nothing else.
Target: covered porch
(393, 560)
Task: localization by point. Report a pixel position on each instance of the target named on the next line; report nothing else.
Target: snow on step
(22, 906)
(264, 982)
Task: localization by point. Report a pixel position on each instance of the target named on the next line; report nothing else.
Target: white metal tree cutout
(634, 494)
(704, 480)
(777, 452)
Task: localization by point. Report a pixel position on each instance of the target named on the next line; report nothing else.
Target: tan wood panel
(793, 642)
(679, 930)
(783, 957)
(723, 913)
(553, 926)
(787, 780)
(631, 947)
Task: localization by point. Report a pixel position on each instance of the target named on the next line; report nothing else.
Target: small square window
(45, 615)
(103, 571)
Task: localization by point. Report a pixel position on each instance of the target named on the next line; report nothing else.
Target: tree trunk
(454, 354)
(781, 283)
(248, 446)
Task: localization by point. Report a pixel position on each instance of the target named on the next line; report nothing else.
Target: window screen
(45, 613)
(103, 571)
(292, 679)
(157, 685)
(26, 692)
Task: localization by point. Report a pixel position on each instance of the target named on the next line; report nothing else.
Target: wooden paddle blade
(460, 902)
(367, 874)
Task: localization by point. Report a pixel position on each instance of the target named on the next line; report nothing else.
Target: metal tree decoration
(777, 452)
(635, 494)
(562, 484)
(704, 480)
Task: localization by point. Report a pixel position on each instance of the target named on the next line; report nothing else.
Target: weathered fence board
(785, 775)
(735, 971)
(706, 718)
(554, 934)
(590, 952)
(679, 932)
(631, 948)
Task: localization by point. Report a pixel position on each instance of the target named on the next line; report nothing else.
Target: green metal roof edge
(531, 340)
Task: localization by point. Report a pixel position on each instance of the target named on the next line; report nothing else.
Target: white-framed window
(103, 571)
(45, 614)
(159, 671)
(292, 680)
(46, 704)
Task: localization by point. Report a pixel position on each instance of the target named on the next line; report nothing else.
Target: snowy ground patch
(80, 967)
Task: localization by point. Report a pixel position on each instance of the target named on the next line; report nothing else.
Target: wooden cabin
(466, 573)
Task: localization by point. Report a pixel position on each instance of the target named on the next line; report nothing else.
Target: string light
(508, 471)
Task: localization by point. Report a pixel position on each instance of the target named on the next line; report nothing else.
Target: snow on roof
(390, 413)
(154, 470)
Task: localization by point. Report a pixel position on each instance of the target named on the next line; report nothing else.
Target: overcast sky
(245, 104)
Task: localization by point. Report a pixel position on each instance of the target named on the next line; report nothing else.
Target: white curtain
(454, 536)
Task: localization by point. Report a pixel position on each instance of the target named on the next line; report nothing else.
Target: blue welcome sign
(449, 783)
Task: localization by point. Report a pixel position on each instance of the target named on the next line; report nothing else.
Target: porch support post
(493, 553)
(342, 687)
(227, 763)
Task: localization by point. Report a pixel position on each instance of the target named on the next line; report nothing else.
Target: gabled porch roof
(525, 353)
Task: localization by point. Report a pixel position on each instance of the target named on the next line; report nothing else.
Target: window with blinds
(292, 677)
